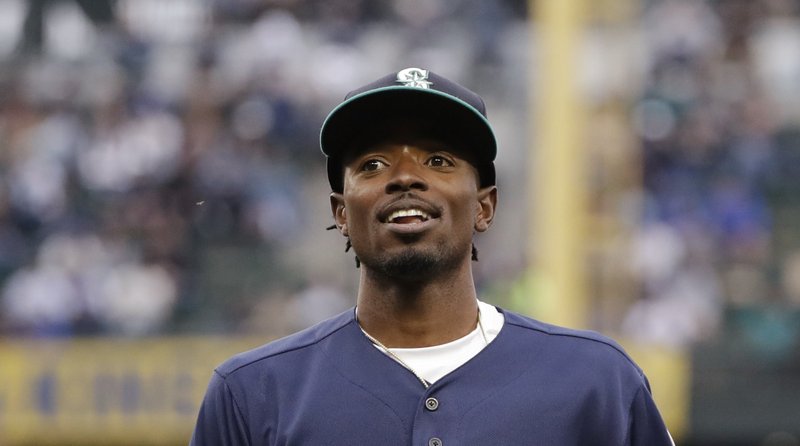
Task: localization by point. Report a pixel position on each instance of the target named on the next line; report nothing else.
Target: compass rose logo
(414, 77)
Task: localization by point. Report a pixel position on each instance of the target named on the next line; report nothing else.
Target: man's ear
(339, 214)
(487, 203)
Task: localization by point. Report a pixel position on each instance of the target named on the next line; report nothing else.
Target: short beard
(415, 265)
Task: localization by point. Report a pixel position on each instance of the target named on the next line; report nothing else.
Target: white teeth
(408, 213)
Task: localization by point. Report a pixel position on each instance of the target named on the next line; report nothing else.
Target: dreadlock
(347, 245)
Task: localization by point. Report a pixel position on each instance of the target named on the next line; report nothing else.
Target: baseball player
(420, 360)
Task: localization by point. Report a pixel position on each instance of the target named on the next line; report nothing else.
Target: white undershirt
(432, 363)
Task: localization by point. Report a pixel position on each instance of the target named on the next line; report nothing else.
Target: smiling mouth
(408, 216)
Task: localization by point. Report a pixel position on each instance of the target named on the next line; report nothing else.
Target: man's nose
(407, 174)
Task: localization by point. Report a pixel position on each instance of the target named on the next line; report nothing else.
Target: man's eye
(371, 165)
(439, 161)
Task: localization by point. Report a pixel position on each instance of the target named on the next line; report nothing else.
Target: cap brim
(452, 118)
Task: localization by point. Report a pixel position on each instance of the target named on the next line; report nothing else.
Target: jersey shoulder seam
(554, 330)
(277, 347)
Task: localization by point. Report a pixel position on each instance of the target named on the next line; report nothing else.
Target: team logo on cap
(414, 77)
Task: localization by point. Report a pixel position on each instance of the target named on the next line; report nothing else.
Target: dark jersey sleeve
(647, 427)
(220, 421)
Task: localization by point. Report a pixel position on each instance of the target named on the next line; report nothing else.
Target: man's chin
(410, 264)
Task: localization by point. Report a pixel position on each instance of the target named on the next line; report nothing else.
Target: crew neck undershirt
(432, 363)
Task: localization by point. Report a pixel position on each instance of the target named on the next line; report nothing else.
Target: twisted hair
(347, 247)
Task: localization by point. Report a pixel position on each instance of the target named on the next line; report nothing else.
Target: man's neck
(400, 313)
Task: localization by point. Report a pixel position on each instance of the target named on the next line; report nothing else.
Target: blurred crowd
(160, 171)
(159, 160)
(718, 121)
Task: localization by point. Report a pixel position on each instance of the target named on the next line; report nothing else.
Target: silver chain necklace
(392, 355)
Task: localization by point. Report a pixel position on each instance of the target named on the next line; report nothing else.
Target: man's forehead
(412, 133)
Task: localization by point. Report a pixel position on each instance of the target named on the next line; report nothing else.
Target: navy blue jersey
(535, 384)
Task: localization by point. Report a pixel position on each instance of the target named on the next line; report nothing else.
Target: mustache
(409, 200)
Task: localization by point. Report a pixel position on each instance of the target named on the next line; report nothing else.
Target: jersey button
(432, 404)
(435, 442)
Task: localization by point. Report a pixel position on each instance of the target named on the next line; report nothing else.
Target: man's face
(410, 206)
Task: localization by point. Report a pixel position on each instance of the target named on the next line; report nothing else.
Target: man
(420, 361)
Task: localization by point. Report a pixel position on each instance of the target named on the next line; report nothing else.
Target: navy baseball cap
(454, 113)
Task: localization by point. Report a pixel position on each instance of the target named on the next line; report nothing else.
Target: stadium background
(163, 198)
